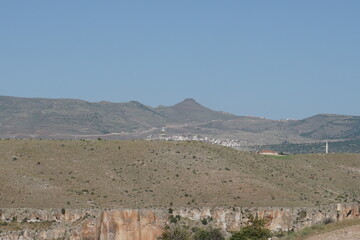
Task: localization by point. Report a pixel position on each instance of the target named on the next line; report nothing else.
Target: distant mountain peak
(189, 100)
(61, 118)
(136, 102)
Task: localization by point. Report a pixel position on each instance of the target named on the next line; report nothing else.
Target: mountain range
(72, 119)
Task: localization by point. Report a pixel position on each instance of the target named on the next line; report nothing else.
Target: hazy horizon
(162, 105)
(273, 59)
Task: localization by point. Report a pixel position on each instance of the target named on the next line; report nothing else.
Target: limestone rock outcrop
(124, 224)
(148, 224)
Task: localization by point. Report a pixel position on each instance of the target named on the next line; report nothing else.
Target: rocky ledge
(148, 224)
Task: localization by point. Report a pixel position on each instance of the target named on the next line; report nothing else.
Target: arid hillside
(41, 118)
(137, 174)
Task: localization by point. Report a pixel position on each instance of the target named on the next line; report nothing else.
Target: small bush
(208, 234)
(281, 234)
(328, 221)
(175, 233)
(173, 219)
(302, 214)
(206, 220)
(254, 231)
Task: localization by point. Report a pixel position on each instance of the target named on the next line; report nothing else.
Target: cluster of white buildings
(223, 142)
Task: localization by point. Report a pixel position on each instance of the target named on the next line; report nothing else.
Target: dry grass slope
(136, 174)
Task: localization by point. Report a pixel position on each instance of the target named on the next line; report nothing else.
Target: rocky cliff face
(148, 224)
(124, 224)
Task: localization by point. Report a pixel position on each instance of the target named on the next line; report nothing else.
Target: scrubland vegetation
(254, 230)
(135, 174)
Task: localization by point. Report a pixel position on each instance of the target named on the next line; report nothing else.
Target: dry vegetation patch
(17, 226)
(347, 229)
(137, 174)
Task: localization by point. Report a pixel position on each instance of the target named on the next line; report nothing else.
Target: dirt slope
(349, 233)
(134, 174)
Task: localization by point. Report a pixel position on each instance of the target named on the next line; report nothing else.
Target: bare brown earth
(349, 233)
(138, 174)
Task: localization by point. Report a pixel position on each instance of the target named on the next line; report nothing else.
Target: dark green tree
(255, 230)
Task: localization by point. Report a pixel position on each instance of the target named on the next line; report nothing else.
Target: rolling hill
(75, 119)
(146, 174)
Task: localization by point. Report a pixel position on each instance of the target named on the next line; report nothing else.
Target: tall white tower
(162, 134)
(327, 147)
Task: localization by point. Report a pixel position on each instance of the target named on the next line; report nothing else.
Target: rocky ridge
(76, 119)
(148, 224)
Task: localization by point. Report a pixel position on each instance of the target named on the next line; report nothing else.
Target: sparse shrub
(208, 234)
(281, 234)
(173, 219)
(206, 220)
(63, 211)
(175, 233)
(255, 230)
(328, 221)
(302, 214)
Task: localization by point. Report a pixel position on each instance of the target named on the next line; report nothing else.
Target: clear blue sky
(275, 59)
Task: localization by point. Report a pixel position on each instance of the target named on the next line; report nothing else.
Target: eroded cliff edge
(148, 224)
